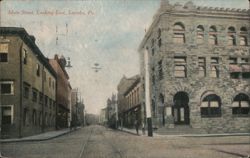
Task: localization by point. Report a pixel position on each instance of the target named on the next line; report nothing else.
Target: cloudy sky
(107, 32)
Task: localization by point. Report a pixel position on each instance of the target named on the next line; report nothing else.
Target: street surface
(100, 142)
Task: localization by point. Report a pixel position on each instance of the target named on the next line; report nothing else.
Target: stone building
(199, 68)
(63, 90)
(27, 86)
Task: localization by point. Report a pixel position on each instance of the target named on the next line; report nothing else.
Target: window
(159, 42)
(26, 117)
(153, 51)
(7, 87)
(34, 117)
(153, 76)
(41, 98)
(159, 33)
(152, 42)
(4, 48)
(7, 115)
(46, 100)
(179, 33)
(231, 36)
(180, 67)
(160, 71)
(202, 67)
(240, 105)
(49, 81)
(37, 69)
(200, 34)
(34, 95)
(44, 76)
(243, 41)
(214, 67)
(211, 106)
(26, 90)
(243, 36)
(212, 36)
(25, 56)
(231, 40)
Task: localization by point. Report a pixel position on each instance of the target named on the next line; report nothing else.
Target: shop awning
(246, 68)
(234, 68)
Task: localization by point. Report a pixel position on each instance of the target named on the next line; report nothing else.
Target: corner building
(27, 86)
(199, 68)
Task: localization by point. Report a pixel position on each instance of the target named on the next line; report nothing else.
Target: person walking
(143, 128)
(137, 127)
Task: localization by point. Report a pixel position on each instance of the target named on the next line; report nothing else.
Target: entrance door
(181, 108)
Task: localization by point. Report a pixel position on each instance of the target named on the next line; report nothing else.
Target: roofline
(22, 33)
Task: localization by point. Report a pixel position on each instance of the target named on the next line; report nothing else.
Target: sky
(107, 32)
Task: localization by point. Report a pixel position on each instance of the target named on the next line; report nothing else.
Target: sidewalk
(133, 131)
(40, 137)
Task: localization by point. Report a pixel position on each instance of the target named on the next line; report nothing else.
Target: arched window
(240, 105)
(231, 41)
(202, 66)
(211, 106)
(243, 30)
(179, 33)
(212, 36)
(243, 36)
(200, 34)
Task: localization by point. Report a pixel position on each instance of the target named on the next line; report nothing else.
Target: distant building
(134, 109)
(77, 108)
(112, 115)
(63, 89)
(27, 86)
(103, 116)
(199, 68)
(129, 102)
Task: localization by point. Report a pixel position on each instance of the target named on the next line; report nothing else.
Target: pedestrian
(143, 128)
(137, 127)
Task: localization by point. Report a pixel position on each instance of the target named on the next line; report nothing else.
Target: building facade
(111, 111)
(199, 68)
(134, 109)
(27, 86)
(63, 90)
(77, 109)
(130, 106)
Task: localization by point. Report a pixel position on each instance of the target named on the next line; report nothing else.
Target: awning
(246, 68)
(234, 68)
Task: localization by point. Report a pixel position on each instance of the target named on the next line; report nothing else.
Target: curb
(37, 139)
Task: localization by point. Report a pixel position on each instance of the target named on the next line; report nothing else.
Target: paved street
(101, 142)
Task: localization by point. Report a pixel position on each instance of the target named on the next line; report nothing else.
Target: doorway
(181, 108)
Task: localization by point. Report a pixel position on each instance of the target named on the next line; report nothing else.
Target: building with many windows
(63, 89)
(199, 68)
(27, 86)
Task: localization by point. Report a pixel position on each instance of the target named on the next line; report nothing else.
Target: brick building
(63, 90)
(27, 85)
(130, 107)
(199, 68)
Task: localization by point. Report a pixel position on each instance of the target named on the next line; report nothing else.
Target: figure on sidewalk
(137, 126)
(143, 128)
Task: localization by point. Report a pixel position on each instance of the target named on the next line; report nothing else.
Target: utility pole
(147, 93)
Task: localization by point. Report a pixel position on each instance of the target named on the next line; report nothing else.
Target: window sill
(240, 115)
(210, 116)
